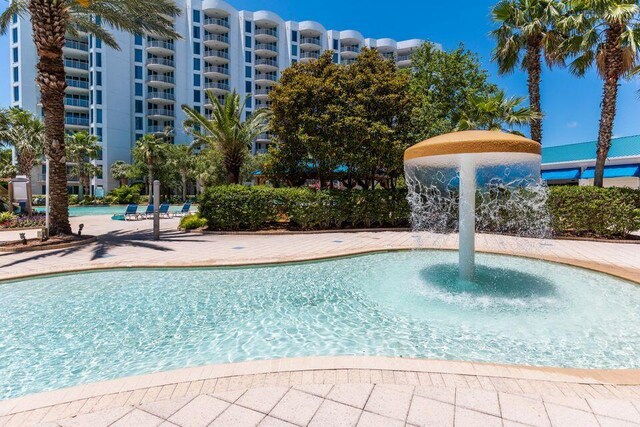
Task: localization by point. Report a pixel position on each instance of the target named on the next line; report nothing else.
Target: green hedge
(587, 211)
(592, 211)
(252, 208)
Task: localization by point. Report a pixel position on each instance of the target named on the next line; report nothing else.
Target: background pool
(65, 330)
(104, 210)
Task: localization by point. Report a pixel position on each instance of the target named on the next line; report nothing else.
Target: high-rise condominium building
(120, 95)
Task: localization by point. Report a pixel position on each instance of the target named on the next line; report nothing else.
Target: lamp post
(156, 210)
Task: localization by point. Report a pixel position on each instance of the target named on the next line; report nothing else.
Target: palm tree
(604, 33)
(152, 152)
(120, 171)
(81, 149)
(492, 111)
(25, 133)
(51, 20)
(527, 32)
(183, 161)
(226, 131)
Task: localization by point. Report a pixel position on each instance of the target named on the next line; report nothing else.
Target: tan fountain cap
(473, 141)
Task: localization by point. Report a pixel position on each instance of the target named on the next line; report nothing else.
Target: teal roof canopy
(561, 174)
(620, 171)
(627, 146)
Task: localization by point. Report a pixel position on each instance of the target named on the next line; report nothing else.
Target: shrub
(125, 195)
(606, 212)
(237, 207)
(6, 218)
(193, 221)
(73, 199)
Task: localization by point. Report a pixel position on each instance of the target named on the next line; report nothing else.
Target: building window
(335, 44)
(247, 42)
(98, 59)
(294, 36)
(247, 26)
(196, 16)
(335, 58)
(14, 35)
(99, 97)
(16, 75)
(139, 123)
(294, 50)
(16, 93)
(138, 55)
(99, 115)
(294, 61)
(196, 32)
(138, 40)
(99, 77)
(99, 134)
(196, 80)
(247, 56)
(247, 87)
(14, 18)
(98, 43)
(15, 54)
(196, 64)
(138, 137)
(138, 89)
(247, 72)
(139, 106)
(196, 96)
(138, 72)
(196, 48)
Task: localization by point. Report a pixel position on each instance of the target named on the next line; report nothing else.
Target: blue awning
(619, 171)
(561, 174)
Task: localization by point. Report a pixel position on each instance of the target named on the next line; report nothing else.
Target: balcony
(217, 57)
(216, 25)
(262, 105)
(161, 81)
(76, 122)
(310, 43)
(77, 86)
(349, 61)
(161, 114)
(161, 47)
(265, 79)
(158, 130)
(216, 41)
(216, 72)
(266, 35)
(389, 56)
(75, 45)
(158, 97)
(308, 56)
(348, 51)
(266, 49)
(266, 65)
(264, 137)
(403, 60)
(73, 65)
(161, 65)
(76, 103)
(218, 88)
(262, 93)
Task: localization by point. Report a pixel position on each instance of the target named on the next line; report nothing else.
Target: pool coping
(614, 377)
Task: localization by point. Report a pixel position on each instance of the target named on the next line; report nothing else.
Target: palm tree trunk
(534, 71)
(49, 21)
(184, 188)
(150, 185)
(612, 71)
(25, 164)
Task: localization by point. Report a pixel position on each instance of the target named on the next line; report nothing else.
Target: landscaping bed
(56, 242)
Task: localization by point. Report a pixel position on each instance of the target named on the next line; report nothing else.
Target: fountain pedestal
(467, 218)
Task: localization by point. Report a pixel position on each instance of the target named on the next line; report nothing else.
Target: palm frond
(16, 7)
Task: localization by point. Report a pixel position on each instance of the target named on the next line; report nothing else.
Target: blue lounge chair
(131, 212)
(164, 210)
(148, 213)
(184, 211)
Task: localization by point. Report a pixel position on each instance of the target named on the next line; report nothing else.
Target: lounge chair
(184, 211)
(131, 212)
(164, 210)
(148, 213)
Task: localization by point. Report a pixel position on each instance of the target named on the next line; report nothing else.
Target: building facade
(120, 95)
(574, 164)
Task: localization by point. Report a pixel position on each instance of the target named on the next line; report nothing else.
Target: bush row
(590, 211)
(252, 208)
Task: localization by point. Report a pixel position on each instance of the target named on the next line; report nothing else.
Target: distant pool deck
(324, 391)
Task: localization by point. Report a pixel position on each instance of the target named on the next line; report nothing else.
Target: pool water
(65, 330)
(104, 210)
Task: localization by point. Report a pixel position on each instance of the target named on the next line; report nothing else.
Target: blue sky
(571, 105)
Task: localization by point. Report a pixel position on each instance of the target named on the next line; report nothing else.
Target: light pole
(156, 210)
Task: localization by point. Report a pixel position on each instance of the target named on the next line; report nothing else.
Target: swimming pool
(104, 210)
(64, 330)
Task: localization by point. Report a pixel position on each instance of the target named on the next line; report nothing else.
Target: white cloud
(572, 125)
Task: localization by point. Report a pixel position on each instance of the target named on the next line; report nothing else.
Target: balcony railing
(264, 61)
(75, 102)
(266, 32)
(348, 48)
(216, 69)
(161, 78)
(161, 44)
(310, 40)
(161, 112)
(157, 129)
(389, 55)
(161, 95)
(82, 84)
(216, 21)
(263, 91)
(404, 58)
(216, 38)
(267, 46)
(348, 61)
(161, 61)
(216, 85)
(263, 76)
(74, 63)
(76, 121)
(77, 45)
(218, 53)
(265, 135)
(313, 55)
